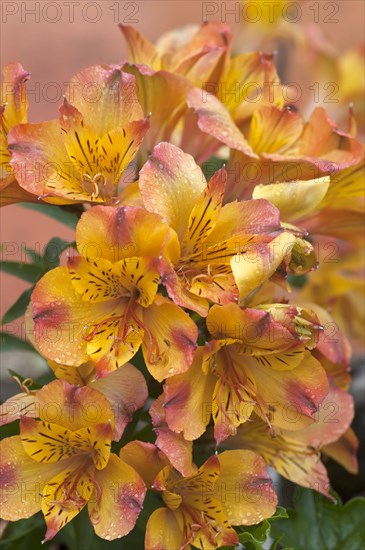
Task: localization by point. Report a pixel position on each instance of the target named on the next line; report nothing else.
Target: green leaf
(9, 342)
(32, 254)
(322, 524)
(53, 251)
(25, 534)
(17, 309)
(62, 214)
(28, 272)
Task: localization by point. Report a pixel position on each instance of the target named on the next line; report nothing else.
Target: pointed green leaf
(28, 272)
(18, 308)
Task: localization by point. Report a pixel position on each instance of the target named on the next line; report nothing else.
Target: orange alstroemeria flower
(199, 54)
(81, 156)
(258, 362)
(231, 488)
(280, 146)
(105, 303)
(124, 388)
(220, 247)
(296, 454)
(62, 462)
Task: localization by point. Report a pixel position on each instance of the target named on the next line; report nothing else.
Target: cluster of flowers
(196, 274)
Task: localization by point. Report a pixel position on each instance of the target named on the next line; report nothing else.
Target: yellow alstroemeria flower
(81, 156)
(105, 303)
(258, 361)
(231, 488)
(219, 246)
(62, 462)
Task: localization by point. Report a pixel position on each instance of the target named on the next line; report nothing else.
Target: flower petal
(18, 406)
(41, 163)
(126, 391)
(171, 184)
(294, 199)
(175, 446)
(22, 480)
(253, 498)
(73, 407)
(64, 496)
(214, 119)
(140, 50)
(114, 511)
(170, 342)
(163, 531)
(275, 130)
(147, 459)
(46, 442)
(323, 141)
(188, 399)
(252, 270)
(204, 214)
(106, 96)
(118, 233)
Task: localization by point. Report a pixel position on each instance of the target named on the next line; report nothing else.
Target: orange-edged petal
(171, 184)
(117, 499)
(287, 454)
(175, 446)
(204, 214)
(73, 407)
(215, 120)
(106, 96)
(118, 233)
(41, 163)
(258, 332)
(244, 488)
(290, 398)
(253, 269)
(45, 441)
(188, 400)
(126, 391)
(169, 341)
(163, 531)
(344, 451)
(245, 218)
(22, 480)
(140, 50)
(64, 496)
(294, 199)
(323, 141)
(58, 320)
(145, 458)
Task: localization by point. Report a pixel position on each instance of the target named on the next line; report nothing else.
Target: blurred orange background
(55, 39)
